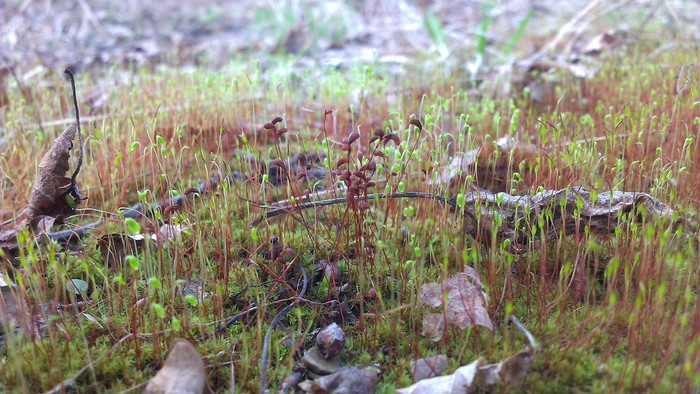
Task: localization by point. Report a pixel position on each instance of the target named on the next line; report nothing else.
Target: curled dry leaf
(51, 185)
(465, 304)
(460, 382)
(348, 380)
(429, 367)
(169, 232)
(510, 371)
(183, 372)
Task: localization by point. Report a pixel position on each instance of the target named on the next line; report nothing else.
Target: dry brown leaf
(4, 71)
(603, 42)
(460, 382)
(8, 239)
(50, 187)
(183, 372)
(348, 380)
(510, 371)
(429, 367)
(465, 304)
(115, 247)
(490, 165)
(11, 308)
(16, 314)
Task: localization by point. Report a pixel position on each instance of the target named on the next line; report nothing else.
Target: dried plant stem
(335, 201)
(77, 122)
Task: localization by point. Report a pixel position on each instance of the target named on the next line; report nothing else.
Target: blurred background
(89, 34)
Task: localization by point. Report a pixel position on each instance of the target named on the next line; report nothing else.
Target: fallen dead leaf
(491, 165)
(429, 367)
(460, 382)
(510, 371)
(10, 307)
(464, 306)
(183, 372)
(115, 247)
(4, 71)
(348, 380)
(8, 239)
(50, 187)
(603, 42)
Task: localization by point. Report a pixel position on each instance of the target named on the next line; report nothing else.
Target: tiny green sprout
(132, 226)
(133, 262)
(509, 309)
(160, 140)
(190, 299)
(402, 187)
(461, 200)
(409, 264)
(143, 194)
(688, 142)
(498, 218)
(254, 235)
(119, 280)
(133, 146)
(418, 251)
(176, 324)
(154, 283)
(505, 244)
(158, 309)
(265, 179)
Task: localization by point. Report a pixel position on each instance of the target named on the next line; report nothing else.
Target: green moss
(613, 313)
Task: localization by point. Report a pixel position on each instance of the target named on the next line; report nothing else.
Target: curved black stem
(77, 122)
(275, 321)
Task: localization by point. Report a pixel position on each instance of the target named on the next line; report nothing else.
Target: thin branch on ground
(273, 324)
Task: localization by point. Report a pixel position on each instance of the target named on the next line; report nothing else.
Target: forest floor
(515, 185)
